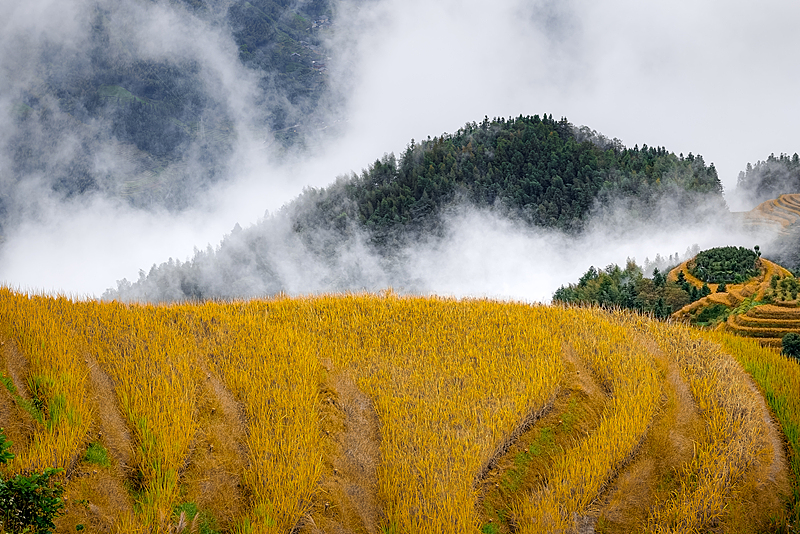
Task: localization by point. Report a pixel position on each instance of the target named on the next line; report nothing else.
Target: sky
(709, 77)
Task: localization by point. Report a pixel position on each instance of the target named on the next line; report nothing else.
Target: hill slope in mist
(769, 179)
(783, 215)
(361, 231)
(146, 101)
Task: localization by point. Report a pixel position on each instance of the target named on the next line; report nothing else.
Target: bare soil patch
(213, 477)
(348, 500)
(17, 424)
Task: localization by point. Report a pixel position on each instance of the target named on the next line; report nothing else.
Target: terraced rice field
(365, 413)
(751, 317)
(780, 213)
(768, 323)
(735, 294)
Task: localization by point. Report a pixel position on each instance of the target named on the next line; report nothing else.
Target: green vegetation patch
(97, 454)
(747, 304)
(120, 93)
(791, 345)
(724, 264)
(526, 471)
(28, 503)
(21, 110)
(712, 315)
(781, 290)
(30, 407)
(198, 521)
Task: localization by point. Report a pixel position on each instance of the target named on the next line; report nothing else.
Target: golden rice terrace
(778, 214)
(765, 307)
(370, 414)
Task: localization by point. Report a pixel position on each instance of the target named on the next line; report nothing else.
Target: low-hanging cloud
(484, 254)
(473, 252)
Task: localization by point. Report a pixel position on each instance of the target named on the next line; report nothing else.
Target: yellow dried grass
(732, 438)
(453, 383)
(581, 473)
(58, 379)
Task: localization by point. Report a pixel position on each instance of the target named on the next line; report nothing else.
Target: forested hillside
(535, 170)
(544, 171)
(106, 109)
(283, 42)
(770, 178)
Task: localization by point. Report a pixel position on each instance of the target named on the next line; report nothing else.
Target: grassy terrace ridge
(769, 311)
(765, 307)
(380, 413)
(768, 322)
(746, 296)
(778, 378)
(783, 212)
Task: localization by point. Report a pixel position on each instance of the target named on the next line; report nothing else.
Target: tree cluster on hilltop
(545, 172)
(352, 234)
(725, 265)
(770, 178)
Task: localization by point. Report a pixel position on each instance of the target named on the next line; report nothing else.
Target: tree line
(614, 287)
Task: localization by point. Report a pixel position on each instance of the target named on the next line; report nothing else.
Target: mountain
(536, 171)
(145, 101)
